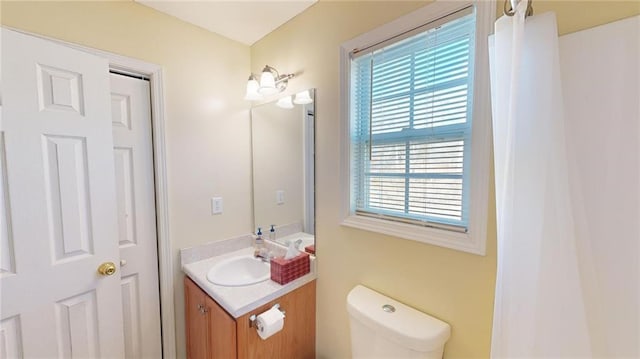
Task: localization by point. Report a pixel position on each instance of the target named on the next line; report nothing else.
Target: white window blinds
(411, 105)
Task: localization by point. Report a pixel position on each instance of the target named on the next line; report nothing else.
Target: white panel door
(133, 158)
(59, 215)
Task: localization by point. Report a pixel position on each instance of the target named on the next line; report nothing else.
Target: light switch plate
(279, 196)
(216, 205)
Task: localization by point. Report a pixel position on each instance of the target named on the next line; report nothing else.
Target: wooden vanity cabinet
(213, 333)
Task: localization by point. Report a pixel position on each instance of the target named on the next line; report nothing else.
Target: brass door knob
(107, 268)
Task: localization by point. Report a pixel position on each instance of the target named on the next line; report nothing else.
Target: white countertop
(238, 301)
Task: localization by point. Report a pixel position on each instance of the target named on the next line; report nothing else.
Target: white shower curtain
(539, 309)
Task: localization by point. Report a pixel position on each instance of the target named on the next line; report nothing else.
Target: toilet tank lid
(406, 326)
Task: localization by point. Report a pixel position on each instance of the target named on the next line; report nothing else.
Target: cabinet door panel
(295, 340)
(222, 331)
(195, 321)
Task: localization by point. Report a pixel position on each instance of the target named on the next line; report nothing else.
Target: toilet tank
(384, 328)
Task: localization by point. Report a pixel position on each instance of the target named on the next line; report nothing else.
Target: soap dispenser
(258, 244)
(272, 234)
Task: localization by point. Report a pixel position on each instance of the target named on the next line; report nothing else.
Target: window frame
(474, 239)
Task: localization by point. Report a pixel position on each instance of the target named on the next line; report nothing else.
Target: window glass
(411, 104)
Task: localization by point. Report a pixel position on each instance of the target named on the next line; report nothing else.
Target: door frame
(154, 73)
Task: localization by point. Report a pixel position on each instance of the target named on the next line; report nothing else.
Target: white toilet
(384, 328)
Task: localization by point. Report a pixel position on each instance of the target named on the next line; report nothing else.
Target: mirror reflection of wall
(283, 171)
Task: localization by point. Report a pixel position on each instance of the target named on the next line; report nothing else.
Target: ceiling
(244, 21)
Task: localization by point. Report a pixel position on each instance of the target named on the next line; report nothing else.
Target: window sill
(464, 242)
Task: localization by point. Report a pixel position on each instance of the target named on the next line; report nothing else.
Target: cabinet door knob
(202, 309)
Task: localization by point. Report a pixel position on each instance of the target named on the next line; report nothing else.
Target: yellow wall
(209, 148)
(579, 15)
(207, 128)
(453, 286)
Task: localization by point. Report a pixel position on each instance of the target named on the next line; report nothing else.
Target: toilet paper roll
(270, 322)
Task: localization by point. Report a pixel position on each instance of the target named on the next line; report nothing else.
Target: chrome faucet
(263, 254)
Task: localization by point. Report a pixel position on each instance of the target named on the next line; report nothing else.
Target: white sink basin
(239, 271)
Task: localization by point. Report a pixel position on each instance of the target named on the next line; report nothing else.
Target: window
(411, 132)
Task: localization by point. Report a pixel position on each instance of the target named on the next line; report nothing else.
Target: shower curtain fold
(539, 306)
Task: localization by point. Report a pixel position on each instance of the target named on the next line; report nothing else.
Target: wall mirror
(283, 145)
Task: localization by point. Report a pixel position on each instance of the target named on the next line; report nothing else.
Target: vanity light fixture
(271, 82)
(302, 98)
(285, 103)
(252, 89)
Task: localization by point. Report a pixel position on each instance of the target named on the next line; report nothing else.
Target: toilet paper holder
(252, 319)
